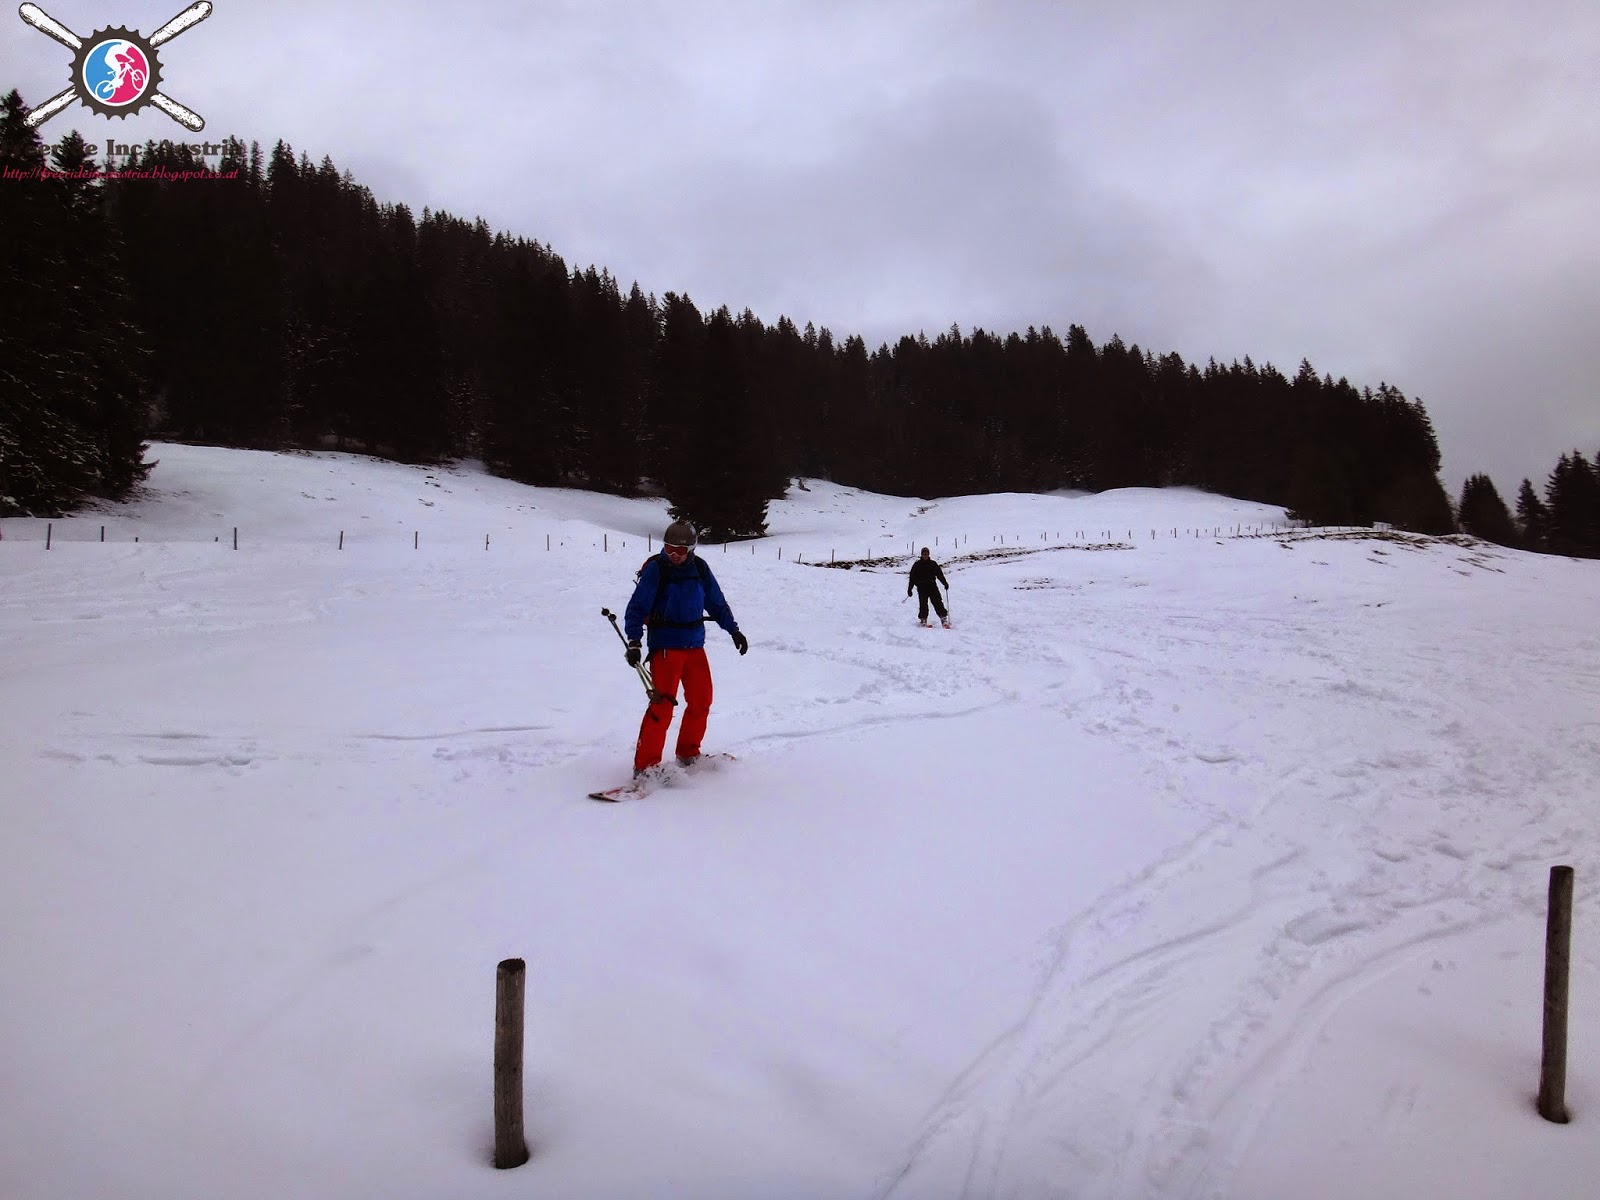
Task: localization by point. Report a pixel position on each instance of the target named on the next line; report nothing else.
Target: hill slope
(1183, 866)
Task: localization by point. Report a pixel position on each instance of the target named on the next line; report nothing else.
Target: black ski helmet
(680, 533)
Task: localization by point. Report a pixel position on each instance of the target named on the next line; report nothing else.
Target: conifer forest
(268, 302)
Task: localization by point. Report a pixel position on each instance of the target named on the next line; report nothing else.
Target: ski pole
(644, 675)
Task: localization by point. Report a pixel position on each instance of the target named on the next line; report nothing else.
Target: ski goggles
(676, 553)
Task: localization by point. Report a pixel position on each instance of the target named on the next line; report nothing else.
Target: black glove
(632, 654)
(741, 643)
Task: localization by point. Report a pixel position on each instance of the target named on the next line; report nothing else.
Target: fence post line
(1557, 963)
(510, 1147)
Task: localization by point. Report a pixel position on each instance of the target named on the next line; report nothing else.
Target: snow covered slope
(1202, 858)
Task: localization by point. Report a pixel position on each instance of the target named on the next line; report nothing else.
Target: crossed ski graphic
(35, 16)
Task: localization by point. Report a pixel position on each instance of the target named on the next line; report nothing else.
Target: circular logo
(116, 72)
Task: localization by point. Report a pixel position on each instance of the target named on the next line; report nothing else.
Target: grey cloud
(1398, 192)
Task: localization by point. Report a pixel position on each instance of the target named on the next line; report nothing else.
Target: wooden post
(235, 537)
(48, 530)
(486, 541)
(102, 533)
(341, 539)
(1557, 960)
(510, 1147)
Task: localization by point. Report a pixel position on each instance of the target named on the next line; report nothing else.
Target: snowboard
(662, 775)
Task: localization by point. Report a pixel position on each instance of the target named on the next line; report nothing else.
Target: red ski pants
(668, 668)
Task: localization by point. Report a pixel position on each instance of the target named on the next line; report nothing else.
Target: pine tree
(721, 478)
(72, 402)
(1533, 519)
(1572, 496)
(1483, 513)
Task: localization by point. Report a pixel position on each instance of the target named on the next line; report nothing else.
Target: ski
(664, 775)
(628, 791)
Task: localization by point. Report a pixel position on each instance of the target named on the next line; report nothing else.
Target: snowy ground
(1184, 866)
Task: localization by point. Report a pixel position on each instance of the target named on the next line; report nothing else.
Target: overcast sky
(1406, 191)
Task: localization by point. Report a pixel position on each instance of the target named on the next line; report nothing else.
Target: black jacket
(923, 572)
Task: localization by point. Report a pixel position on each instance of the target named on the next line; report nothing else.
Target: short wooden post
(1557, 961)
(486, 541)
(341, 539)
(235, 537)
(48, 529)
(416, 539)
(510, 1147)
(102, 533)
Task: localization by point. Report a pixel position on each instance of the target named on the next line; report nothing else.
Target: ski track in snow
(1306, 936)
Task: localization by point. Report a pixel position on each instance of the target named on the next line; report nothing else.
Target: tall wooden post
(510, 1147)
(1557, 961)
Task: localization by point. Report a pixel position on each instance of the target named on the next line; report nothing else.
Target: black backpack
(654, 616)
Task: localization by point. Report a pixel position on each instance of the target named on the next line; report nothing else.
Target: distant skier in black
(923, 574)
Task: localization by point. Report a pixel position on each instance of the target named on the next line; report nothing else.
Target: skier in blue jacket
(675, 590)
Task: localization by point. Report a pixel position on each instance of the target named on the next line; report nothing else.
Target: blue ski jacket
(686, 593)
